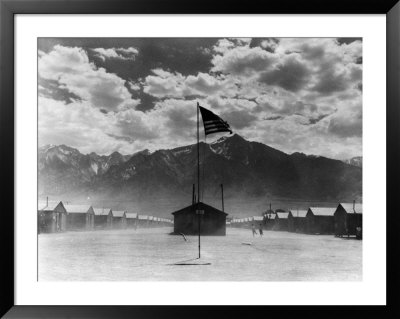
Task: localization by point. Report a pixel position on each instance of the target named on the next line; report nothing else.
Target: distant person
(253, 229)
(358, 232)
(260, 230)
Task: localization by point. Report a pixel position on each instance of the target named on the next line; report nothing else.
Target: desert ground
(153, 255)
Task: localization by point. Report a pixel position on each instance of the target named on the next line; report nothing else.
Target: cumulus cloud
(71, 69)
(269, 44)
(164, 84)
(135, 124)
(292, 94)
(180, 119)
(345, 127)
(76, 124)
(116, 53)
(171, 123)
(205, 84)
(347, 123)
(330, 82)
(239, 113)
(335, 67)
(239, 119)
(223, 45)
(243, 60)
(174, 85)
(291, 74)
(323, 65)
(134, 86)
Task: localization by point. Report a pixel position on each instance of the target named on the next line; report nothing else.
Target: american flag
(213, 123)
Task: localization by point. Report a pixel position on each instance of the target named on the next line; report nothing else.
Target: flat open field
(150, 254)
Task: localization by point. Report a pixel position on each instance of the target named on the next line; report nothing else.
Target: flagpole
(198, 169)
(198, 154)
(212, 124)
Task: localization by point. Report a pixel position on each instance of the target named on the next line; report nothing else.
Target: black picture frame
(8, 10)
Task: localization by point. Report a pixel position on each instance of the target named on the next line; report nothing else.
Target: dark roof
(200, 206)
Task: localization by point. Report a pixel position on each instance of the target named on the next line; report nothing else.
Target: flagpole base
(191, 262)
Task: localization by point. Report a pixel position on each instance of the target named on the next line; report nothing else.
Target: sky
(129, 94)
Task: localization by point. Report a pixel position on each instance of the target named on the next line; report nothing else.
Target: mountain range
(355, 161)
(253, 174)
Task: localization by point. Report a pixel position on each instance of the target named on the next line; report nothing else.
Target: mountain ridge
(163, 179)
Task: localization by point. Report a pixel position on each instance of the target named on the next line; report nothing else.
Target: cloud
(274, 118)
(71, 69)
(76, 124)
(171, 123)
(322, 49)
(121, 138)
(338, 78)
(290, 135)
(134, 86)
(180, 119)
(345, 125)
(330, 82)
(135, 125)
(318, 118)
(320, 64)
(293, 94)
(165, 84)
(291, 74)
(243, 61)
(239, 113)
(225, 105)
(335, 65)
(52, 89)
(223, 46)
(116, 53)
(239, 119)
(204, 85)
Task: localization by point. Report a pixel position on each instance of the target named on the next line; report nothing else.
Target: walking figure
(253, 229)
(261, 230)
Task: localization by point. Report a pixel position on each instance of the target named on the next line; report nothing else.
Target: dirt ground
(152, 255)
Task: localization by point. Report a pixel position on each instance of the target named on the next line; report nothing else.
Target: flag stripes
(213, 123)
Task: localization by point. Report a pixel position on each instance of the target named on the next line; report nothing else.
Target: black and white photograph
(200, 159)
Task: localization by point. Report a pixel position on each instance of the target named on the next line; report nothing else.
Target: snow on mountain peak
(220, 140)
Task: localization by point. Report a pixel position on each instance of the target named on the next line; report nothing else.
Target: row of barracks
(58, 217)
(343, 220)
